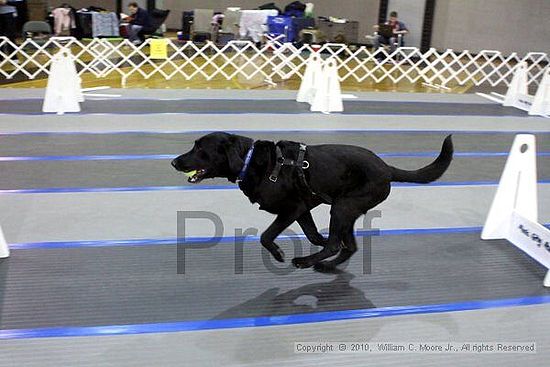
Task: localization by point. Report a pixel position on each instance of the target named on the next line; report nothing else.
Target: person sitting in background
(397, 28)
(138, 19)
(8, 27)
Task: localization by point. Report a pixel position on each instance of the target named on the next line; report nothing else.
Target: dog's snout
(175, 163)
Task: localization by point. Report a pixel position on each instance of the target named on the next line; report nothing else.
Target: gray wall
(77, 4)
(504, 25)
(141, 3)
(364, 11)
(410, 12)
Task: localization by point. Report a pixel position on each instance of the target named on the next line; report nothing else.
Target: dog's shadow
(335, 295)
(276, 344)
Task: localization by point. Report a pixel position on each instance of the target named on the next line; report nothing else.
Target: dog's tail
(432, 171)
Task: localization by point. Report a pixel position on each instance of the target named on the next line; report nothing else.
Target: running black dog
(289, 179)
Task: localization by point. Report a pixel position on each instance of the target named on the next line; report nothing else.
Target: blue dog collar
(246, 164)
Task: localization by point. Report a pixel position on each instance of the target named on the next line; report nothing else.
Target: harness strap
(301, 164)
(281, 161)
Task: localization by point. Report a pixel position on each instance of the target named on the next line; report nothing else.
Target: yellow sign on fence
(159, 49)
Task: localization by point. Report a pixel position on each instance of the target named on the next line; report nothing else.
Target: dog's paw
(325, 267)
(301, 262)
(278, 254)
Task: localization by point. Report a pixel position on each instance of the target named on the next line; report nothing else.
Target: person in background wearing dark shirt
(398, 27)
(138, 19)
(8, 27)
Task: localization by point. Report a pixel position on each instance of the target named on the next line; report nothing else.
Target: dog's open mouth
(195, 176)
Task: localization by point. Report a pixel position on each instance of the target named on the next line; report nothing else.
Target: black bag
(269, 6)
(301, 23)
(186, 21)
(295, 9)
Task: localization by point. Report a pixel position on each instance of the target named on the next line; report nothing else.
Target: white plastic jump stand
(75, 80)
(541, 102)
(314, 69)
(514, 214)
(63, 92)
(4, 249)
(328, 96)
(518, 94)
(517, 189)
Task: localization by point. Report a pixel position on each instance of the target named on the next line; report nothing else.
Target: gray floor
(138, 215)
(139, 284)
(273, 346)
(84, 124)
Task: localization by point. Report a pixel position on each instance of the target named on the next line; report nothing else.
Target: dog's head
(217, 154)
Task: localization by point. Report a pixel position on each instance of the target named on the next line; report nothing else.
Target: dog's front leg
(279, 225)
(307, 224)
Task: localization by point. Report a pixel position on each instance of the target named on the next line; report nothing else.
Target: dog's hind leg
(350, 247)
(279, 225)
(343, 214)
(307, 224)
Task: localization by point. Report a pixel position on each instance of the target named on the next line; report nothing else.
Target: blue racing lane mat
(119, 285)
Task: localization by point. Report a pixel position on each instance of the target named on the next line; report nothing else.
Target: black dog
(288, 179)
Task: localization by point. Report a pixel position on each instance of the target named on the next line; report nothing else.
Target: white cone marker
(514, 214)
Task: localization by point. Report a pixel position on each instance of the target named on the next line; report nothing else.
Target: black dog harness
(281, 161)
(301, 164)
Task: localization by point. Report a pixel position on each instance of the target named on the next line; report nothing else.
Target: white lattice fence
(273, 61)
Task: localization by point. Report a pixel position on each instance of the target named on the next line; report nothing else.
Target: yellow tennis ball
(191, 173)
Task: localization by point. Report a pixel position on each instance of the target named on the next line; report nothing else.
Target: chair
(399, 42)
(157, 17)
(201, 29)
(33, 27)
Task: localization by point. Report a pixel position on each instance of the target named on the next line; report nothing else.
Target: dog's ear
(232, 151)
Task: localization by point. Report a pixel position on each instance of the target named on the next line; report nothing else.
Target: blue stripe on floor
(269, 320)
(227, 239)
(395, 114)
(133, 157)
(276, 131)
(67, 190)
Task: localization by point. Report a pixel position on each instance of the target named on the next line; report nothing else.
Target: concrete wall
(141, 3)
(364, 11)
(77, 4)
(504, 25)
(410, 12)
